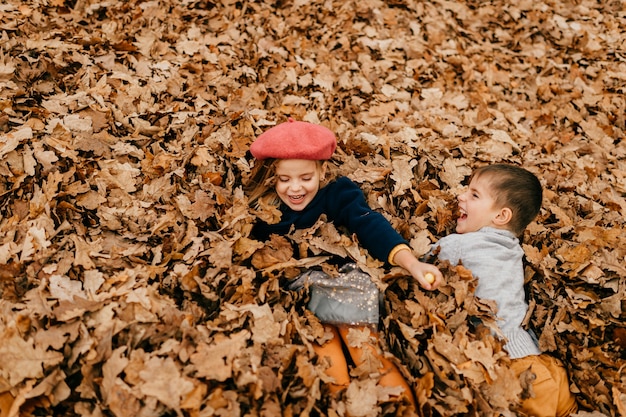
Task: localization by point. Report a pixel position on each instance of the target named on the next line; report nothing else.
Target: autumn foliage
(129, 282)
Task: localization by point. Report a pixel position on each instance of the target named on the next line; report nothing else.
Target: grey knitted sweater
(495, 257)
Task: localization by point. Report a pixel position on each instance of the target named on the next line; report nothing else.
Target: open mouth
(296, 198)
(462, 214)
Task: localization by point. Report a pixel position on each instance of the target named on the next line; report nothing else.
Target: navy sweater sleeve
(347, 207)
(344, 204)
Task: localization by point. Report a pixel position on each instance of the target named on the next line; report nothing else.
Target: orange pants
(333, 350)
(551, 387)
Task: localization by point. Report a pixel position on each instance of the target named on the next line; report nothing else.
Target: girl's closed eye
(287, 179)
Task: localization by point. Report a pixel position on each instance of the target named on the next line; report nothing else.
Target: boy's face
(298, 181)
(477, 206)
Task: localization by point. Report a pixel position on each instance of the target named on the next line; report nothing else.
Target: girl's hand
(427, 275)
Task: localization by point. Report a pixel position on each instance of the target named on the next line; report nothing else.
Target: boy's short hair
(516, 188)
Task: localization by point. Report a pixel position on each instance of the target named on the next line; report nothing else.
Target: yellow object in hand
(429, 277)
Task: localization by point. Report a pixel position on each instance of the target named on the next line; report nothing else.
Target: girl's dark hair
(261, 182)
(516, 188)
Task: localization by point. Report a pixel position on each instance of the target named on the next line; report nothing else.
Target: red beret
(295, 140)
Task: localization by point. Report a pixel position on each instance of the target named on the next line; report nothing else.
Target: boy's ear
(503, 217)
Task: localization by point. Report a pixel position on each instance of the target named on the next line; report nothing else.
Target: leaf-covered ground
(129, 283)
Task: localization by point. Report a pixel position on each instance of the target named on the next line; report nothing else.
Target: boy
(500, 202)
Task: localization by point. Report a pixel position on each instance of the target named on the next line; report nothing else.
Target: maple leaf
(277, 250)
(215, 361)
(23, 359)
(162, 380)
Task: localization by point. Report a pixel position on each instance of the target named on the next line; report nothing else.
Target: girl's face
(298, 181)
(477, 206)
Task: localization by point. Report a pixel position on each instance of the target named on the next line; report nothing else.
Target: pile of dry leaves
(130, 285)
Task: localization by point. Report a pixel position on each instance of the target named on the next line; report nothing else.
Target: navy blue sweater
(344, 204)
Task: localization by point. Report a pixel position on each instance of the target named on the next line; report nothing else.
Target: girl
(291, 175)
